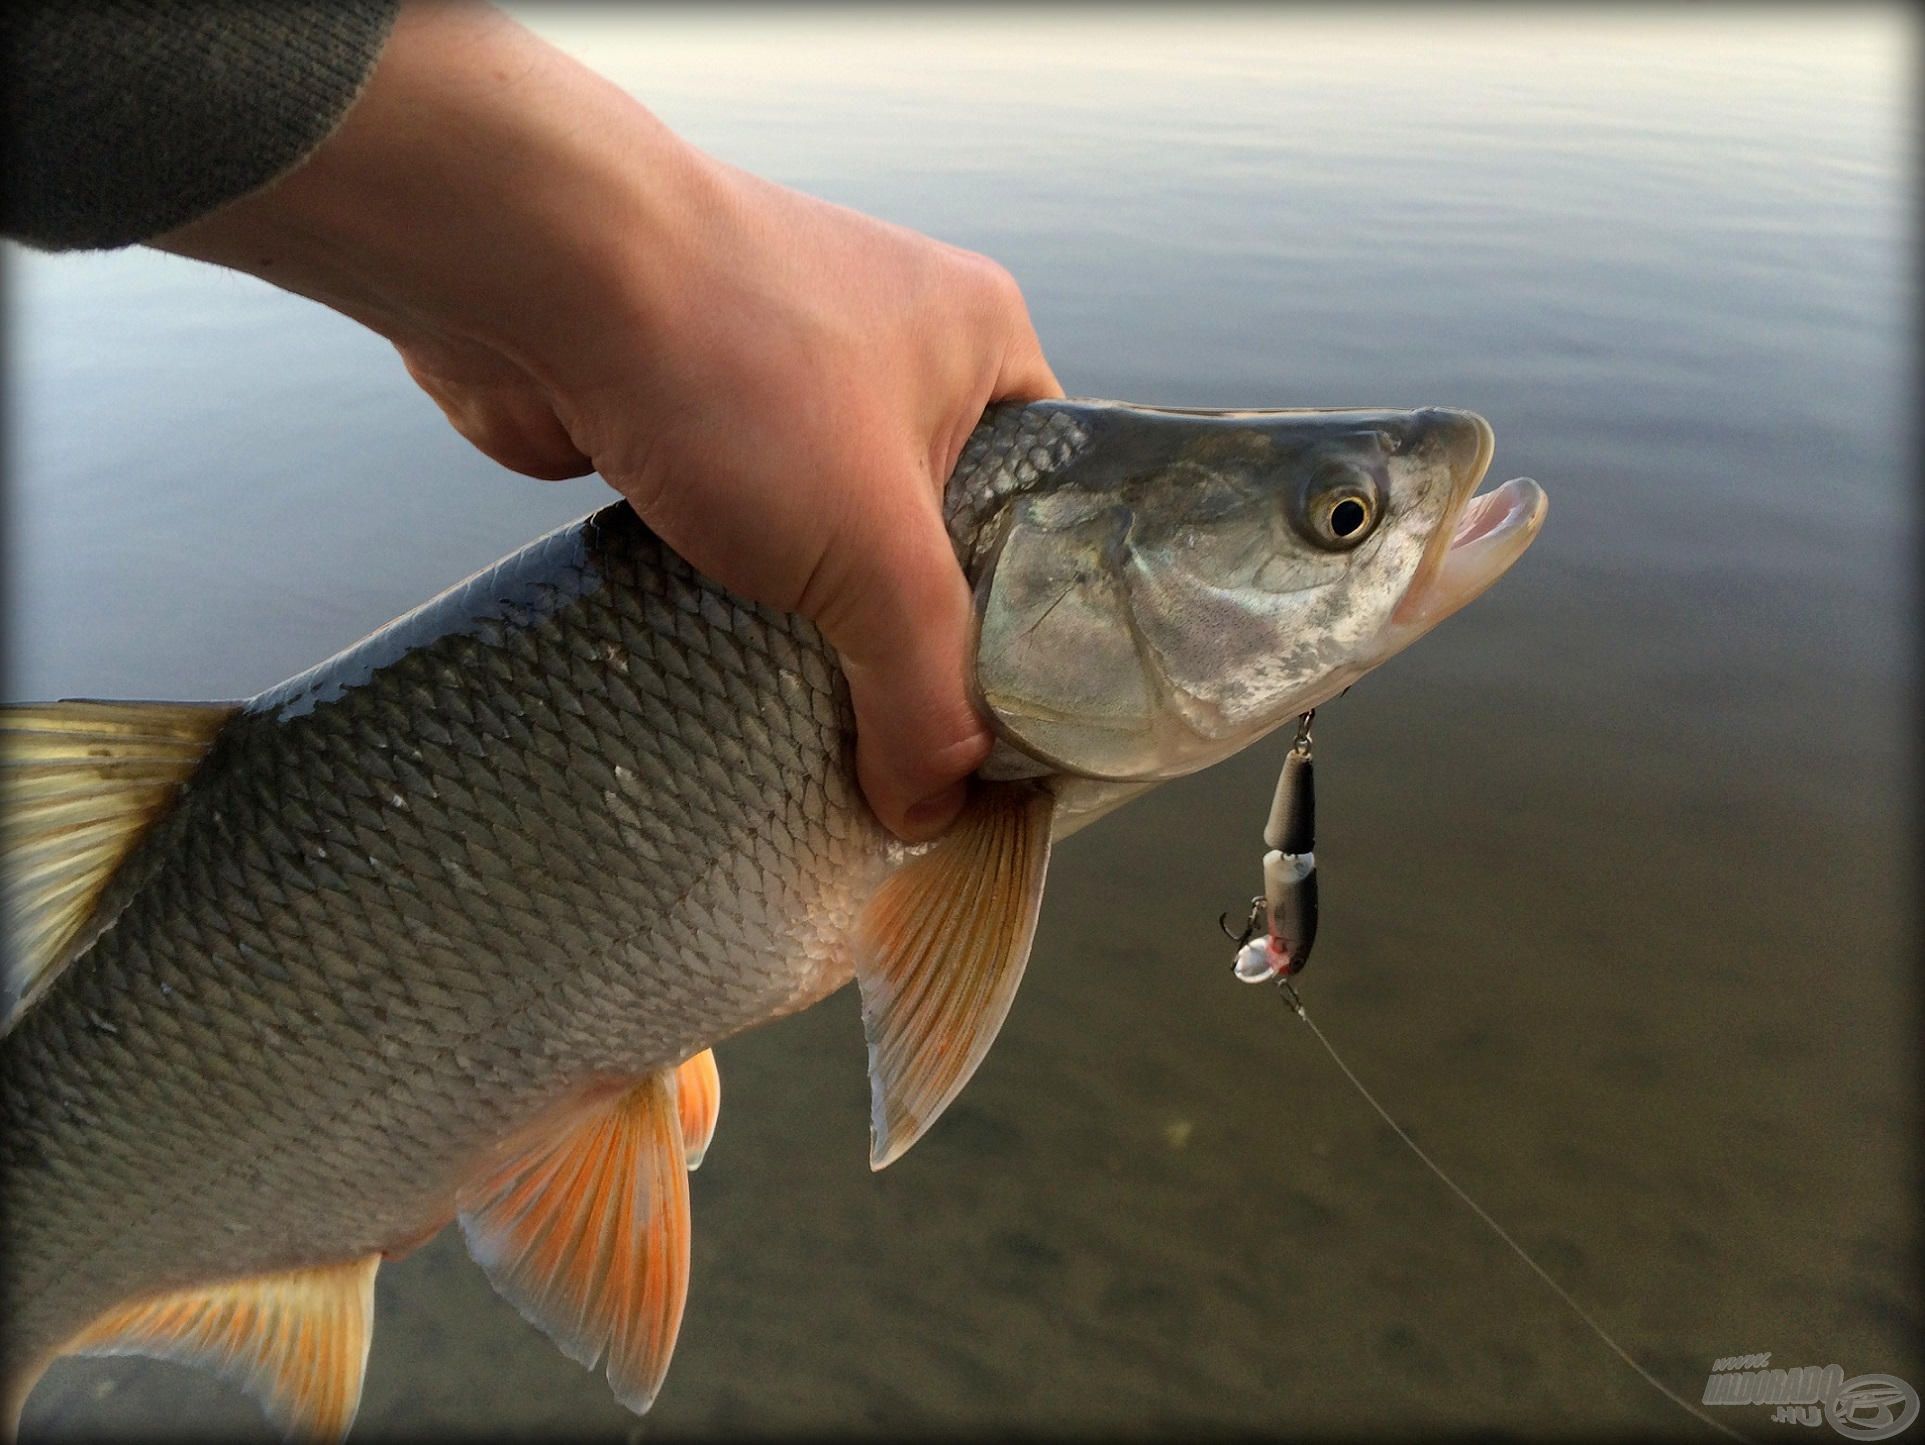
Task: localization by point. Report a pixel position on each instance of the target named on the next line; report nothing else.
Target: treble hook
(1250, 924)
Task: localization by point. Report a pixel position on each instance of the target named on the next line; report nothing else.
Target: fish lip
(1489, 533)
(1468, 475)
(1480, 536)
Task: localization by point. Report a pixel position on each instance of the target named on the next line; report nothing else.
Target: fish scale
(405, 983)
(454, 917)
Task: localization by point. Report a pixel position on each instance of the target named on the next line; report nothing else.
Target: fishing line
(1295, 1005)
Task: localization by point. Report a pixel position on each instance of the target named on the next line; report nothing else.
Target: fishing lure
(1274, 946)
(1276, 938)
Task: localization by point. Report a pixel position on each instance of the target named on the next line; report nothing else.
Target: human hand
(779, 386)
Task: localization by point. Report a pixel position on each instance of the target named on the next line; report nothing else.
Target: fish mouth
(1482, 535)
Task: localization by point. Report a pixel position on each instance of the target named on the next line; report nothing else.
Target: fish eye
(1341, 505)
(1347, 516)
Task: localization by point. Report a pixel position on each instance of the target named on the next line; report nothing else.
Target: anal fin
(698, 1094)
(940, 951)
(297, 1342)
(586, 1231)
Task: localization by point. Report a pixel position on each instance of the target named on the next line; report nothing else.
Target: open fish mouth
(1476, 546)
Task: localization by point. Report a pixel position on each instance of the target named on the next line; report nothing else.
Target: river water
(1619, 883)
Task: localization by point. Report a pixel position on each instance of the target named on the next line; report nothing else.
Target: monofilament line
(1504, 1234)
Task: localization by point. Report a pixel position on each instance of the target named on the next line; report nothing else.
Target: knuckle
(986, 280)
(1002, 287)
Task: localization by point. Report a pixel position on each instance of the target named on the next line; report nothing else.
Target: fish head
(1172, 585)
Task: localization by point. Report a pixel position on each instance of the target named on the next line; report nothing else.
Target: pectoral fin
(940, 951)
(297, 1342)
(586, 1232)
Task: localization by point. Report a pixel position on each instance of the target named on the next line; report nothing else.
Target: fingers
(1025, 374)
(905, 642)
(900, 622)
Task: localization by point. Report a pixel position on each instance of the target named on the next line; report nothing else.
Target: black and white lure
(1276, 938)
(1275, 945)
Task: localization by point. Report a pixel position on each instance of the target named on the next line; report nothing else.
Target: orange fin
(940, 951)
(297, 1342)
(585, 1231)
(698, 1091)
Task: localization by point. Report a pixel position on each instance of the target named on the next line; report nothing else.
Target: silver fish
(444, 928)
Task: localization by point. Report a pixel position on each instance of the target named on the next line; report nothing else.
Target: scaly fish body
(573, 821)
(588, 813)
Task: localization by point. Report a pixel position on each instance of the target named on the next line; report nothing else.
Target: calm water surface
(1618, 883)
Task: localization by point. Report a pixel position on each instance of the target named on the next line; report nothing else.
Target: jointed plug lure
(1276, 939)
(1274, 946)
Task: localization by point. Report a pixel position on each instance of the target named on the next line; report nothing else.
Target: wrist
(484, 190)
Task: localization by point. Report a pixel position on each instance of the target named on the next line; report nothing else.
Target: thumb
(900, 621)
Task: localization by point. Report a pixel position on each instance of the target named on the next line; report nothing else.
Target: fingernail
(928, 818)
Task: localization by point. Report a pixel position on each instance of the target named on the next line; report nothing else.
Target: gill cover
(1184, 580)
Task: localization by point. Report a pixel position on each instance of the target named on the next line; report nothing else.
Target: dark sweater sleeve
(126, 118)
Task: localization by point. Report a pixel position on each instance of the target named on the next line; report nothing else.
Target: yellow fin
(80, 782)
(297, 1342)
(586, 1230)
(940, 951)
(698, 1093)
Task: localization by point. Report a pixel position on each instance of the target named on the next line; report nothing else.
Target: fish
(445, 929)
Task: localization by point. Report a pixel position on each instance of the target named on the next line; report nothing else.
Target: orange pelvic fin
(940, 952)
(586, 1232)
(297, 1342)
(698, 1092)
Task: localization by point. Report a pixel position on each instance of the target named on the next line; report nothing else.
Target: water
(1618, 884)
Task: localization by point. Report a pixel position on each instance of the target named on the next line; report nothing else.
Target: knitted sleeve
(126, 118)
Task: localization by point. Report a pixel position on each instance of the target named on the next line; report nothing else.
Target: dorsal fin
(698, 1095)
(80, 782)
(940, 950)
(585, 1230)
(297, 1342)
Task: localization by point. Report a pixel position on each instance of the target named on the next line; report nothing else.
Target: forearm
(778, 384)
(126, 117)
(482, 180)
